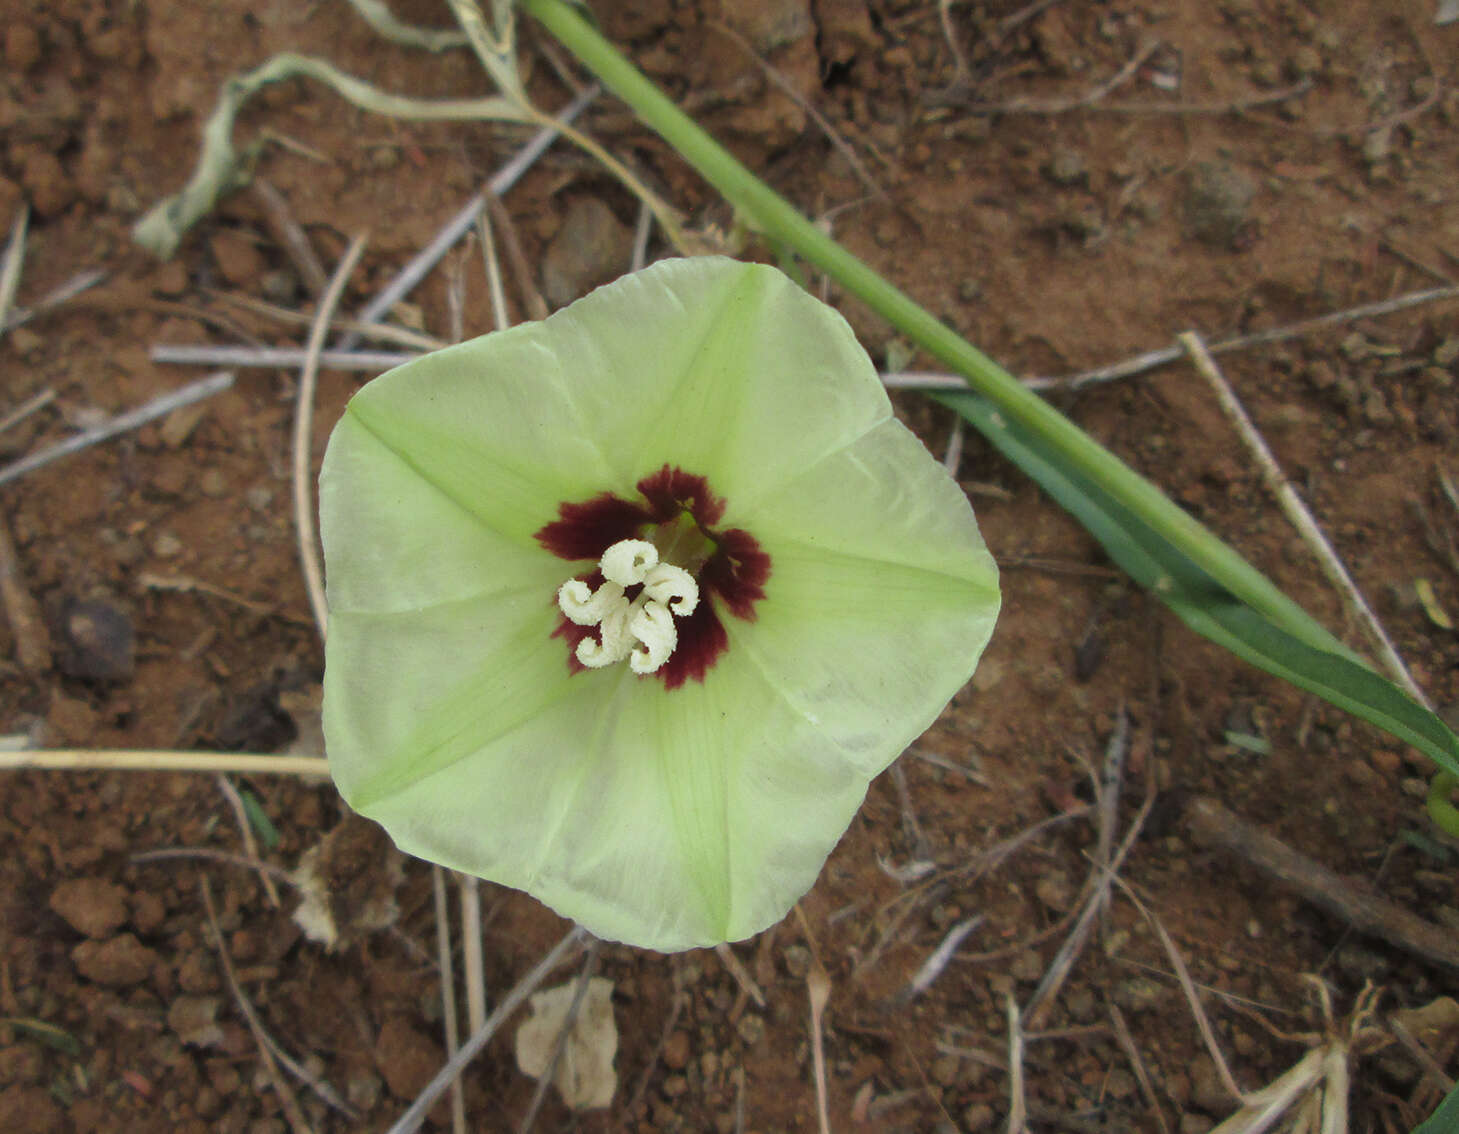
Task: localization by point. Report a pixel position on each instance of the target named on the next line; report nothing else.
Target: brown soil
(1056, 237)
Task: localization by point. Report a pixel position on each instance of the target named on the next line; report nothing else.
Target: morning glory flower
(628, 606)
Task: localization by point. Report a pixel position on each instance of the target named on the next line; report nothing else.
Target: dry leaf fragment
(584, 1077)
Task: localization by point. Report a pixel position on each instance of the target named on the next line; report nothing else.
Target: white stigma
(643, 630)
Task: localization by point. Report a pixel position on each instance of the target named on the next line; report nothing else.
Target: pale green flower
(628, 606)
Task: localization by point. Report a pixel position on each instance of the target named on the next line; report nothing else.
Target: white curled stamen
(642, 631)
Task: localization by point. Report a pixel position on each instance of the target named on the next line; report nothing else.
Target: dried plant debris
(348, 884)
(96, 641)
(584, 1075)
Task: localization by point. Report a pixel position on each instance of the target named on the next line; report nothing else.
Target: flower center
(640, 629)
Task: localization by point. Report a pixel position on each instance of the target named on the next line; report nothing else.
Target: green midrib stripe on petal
(376, 429)
(466, 721)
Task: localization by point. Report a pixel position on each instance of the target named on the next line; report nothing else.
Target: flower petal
(662, 823)
(749, 380)
(491, 423)
(395, 542)
(882, 597)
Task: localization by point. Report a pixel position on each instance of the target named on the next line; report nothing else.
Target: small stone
(1028, 966)
(751, 1028)
(1120, 1083)
(977, 1117)
(1138, 994)
(1195, 1124)
(167, 546)
(91, 906)
(148, 912)
(213, 483)
(945, 1070)
(674, 1086)
(1207, 1090)
(676, 1051)
(797, 960)
(22, 1063)
(1055, 891)
(1081, 1004)
(280, 286)
(45, 180)
(22, 46)
(1306, 61)
(1216, 203)
(1066, 167)
(362, 1090)
(194, 1019)
(171, 279)
(407, 1060)
(590, 248)
(29, 1110)
(96, 641)
(121, 962)
(238, 260)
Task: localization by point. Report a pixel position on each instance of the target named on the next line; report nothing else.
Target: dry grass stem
(841, 145)
(168, 854)
(415, 1114)
(501, 318)
(516, 258)
(1063, 105)
(383, 21)
(266, 1047)
(290, 235)
(152, 581)
(12, 263)
(676, 1009)
(642, 229)
(378, 332)
(250, 842)
(143, 760)
(818, 992)
(953, 458)
(449, 1022)
(68, 290)
(1104, 874)
(27, 625)
(278, 358)
(472, 961)
(1300, 516)
(549, 1074)
(122, 423)
(1142, 1076)
(1212, 825)
(932, 967)
(1153, 359)
(309, 555)
(1017, 1105)
(31, 405)
(741, 974)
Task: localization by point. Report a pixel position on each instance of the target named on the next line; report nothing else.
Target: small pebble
(96, 642)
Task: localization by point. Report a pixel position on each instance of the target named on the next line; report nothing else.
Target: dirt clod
(91, 906)
(405, 1058)
(589, 249)
(120, 962)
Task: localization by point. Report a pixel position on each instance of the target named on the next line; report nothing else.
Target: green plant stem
(781, 222)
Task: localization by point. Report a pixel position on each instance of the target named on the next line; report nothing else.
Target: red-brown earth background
(1056, 237)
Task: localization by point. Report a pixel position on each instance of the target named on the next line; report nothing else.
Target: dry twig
(549, 1073)
(291, 236)
(245, 830)
(122, 423)
(818, 991)
(1301, 518)
(101, 760)
(27, 626)
(266, 1046)
(303, 431)
(415, 1114)
(448, 992)
(1212, 825)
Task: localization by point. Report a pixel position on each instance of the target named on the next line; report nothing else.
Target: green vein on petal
(394, 542)
(886, 501)
(748, 381)
(491, 425)
(408, 696)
